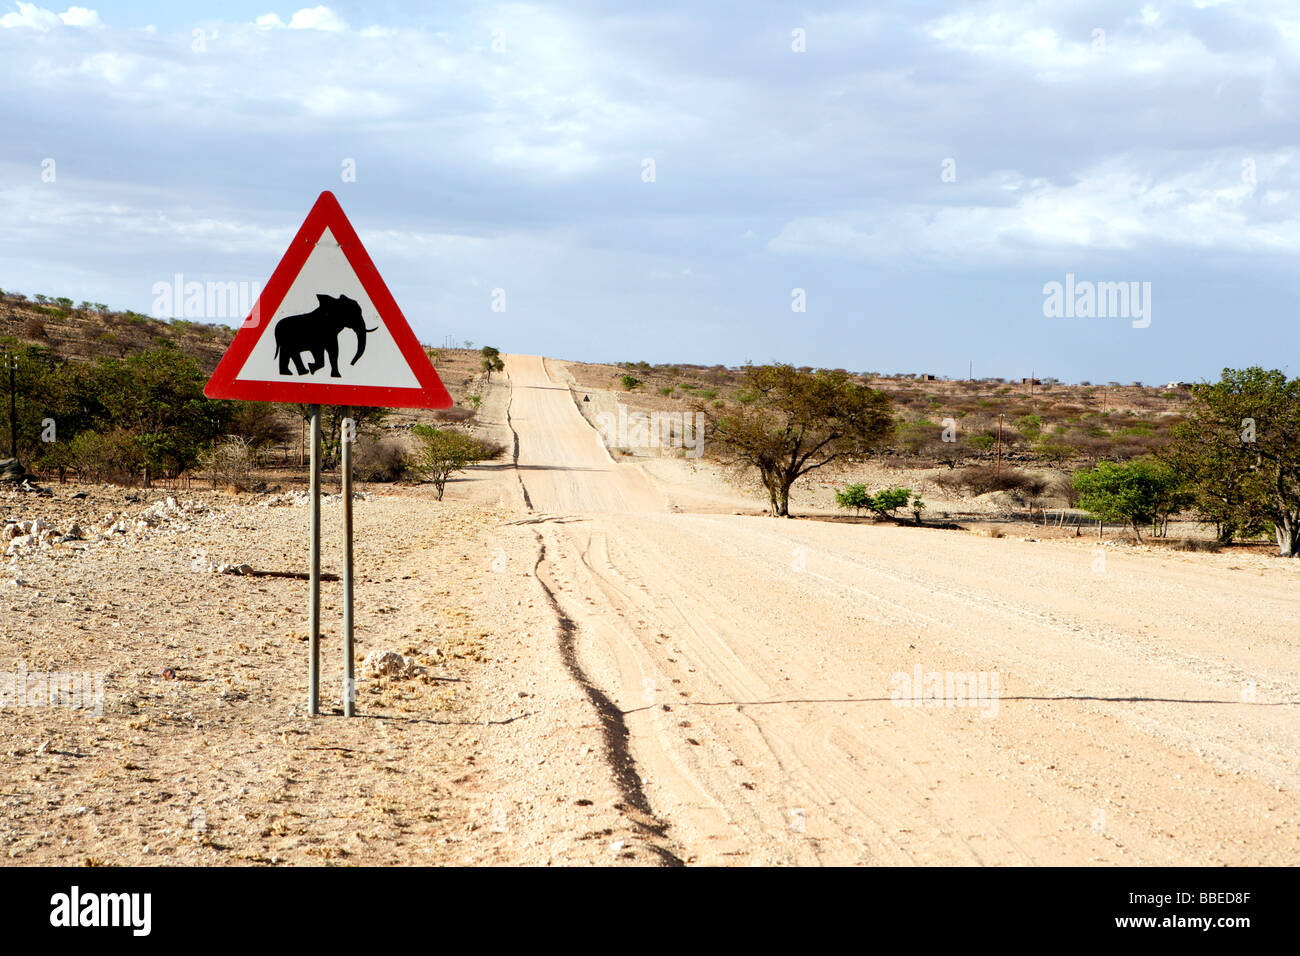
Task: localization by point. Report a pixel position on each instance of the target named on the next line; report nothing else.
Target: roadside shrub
(883, 503)
(229, 464)
(1137, 493)
(379, 459)
(982, 479)
(441, 452)
(1188, 544)
(106, 456)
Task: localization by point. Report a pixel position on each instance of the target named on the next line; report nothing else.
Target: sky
(887, 187)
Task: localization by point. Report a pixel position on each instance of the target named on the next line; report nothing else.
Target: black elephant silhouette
(317, 332)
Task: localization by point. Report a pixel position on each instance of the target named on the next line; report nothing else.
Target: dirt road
(1123, 708)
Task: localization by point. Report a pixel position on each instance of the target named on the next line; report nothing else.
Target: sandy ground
(492, 755)
(613, 666)
(1146, 702)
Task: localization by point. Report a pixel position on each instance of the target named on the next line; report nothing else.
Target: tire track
(613, 727)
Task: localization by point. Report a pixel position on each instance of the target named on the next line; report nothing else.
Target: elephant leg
(332, 348)
(297, 364)
(317, 359)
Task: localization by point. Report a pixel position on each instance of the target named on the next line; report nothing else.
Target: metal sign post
(348, 438)
(326, 284)
(313, 666)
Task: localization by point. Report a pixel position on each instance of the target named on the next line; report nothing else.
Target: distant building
(1030, 381)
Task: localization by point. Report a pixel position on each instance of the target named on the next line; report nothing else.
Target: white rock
(386, 664)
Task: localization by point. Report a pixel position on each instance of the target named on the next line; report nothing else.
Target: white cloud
(1117, 205)
(38, 18)
(80, 17)
(115, 68)
(317, 18)
(308, 18)
(336, 101)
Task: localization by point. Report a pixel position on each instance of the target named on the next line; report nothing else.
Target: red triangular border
(327, 214)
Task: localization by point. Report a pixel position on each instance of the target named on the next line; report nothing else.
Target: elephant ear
(323, 299)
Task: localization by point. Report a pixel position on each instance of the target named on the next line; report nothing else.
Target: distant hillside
(87, 332)
(91, 331)
(1042, 421)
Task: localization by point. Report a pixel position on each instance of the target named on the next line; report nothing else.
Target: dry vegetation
(265, 444)
(1043, 424)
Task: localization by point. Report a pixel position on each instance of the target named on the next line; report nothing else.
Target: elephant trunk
(359, 327)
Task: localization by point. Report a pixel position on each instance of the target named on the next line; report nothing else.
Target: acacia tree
(441, 452)
(789, 422)
(1240, 451)
(492, 361)
(1137, 493)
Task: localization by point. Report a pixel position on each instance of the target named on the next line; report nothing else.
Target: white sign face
(327, 331)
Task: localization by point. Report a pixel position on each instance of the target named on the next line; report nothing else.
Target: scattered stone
(388, 664)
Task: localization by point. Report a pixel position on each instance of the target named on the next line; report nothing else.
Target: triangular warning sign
(326, 330)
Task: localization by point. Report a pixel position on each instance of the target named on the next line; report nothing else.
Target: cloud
(774, 168)
(1119, 205)
(308, 18)
(37, 18)
(80, 17)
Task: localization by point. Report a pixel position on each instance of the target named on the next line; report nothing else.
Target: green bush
(1136, 493)
(441, 452)
(1031, 426)
(884, 502)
